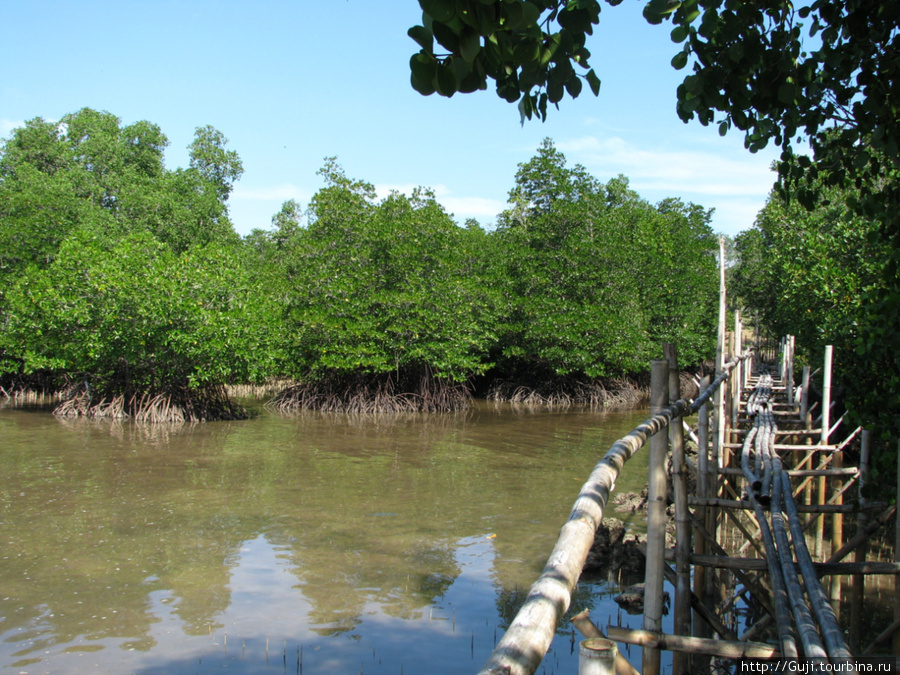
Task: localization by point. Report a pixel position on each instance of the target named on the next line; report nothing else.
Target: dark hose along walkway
(806, 622)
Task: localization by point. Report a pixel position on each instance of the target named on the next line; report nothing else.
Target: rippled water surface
(313, 544)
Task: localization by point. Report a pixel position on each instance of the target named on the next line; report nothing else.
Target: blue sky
(292, 82)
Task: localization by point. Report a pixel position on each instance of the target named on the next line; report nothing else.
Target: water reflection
(332, 543)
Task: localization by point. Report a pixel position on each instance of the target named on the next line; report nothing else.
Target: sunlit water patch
(314, 544)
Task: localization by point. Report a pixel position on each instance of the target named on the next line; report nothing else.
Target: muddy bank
(616, 552)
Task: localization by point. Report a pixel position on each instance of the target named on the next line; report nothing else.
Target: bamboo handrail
(523, 646)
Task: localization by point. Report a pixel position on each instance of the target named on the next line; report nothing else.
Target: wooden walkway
(751, 512)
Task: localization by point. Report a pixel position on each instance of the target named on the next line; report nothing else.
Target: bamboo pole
(812, 645)
(597, 656)
(656, 517)
(826, 395)
(837, 532)
(831, 631)
(789, 378)
(657, 640)
(704, 480)
(757, 357)
(883, 637)
(729, 562)
(826, 413)
(779, 591)
(588, 629)
(850, 471)
(719, 418)
(681, 664)
(859, 580)
(745, 505)
(520, 650)
(738, 378)
(873, 526)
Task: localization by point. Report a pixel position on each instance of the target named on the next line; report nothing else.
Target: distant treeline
(127, 281)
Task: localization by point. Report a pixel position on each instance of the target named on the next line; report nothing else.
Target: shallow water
(313, 544)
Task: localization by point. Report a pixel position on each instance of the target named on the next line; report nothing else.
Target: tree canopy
(121, 273)
(824, 74)
(126, 279)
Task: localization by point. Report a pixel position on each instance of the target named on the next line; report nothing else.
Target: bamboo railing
(794, 598)
(523, 646)
(805, 617)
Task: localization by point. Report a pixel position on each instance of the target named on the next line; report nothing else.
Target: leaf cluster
(382, 286)
(529, 48)
(821, 275)
(596, 278)
(580, 278)
(119, 270)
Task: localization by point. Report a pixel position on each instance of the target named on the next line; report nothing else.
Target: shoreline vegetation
(124, 284)
(354, 394)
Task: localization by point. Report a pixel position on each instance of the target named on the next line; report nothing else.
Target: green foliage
(135, 317)
(823, 73)
(816, 274)
(513, 42)
(128, 275)
(597, 278)
(382, 287)
(90, 170)
(117, 269)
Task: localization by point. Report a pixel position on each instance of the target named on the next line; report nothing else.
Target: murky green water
(313, 544)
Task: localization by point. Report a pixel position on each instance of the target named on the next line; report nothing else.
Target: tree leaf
(445, 80)
(469, 44)
(680, 34)
(680, 60)
(423, 37)
(593, 81)
(573, 86)
(439, 10)
(657, 10)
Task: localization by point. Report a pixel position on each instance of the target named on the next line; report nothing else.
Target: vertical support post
(826, 394)
(681, 661)
(704, 481)
(757, 357)
(719, 415)
(656, 516)
(837, 533)
(789, 379)
(804, 394)
(823, 440)
(597, 656)
(737, 377)
(859, 580)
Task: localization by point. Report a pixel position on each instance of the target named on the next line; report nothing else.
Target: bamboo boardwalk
(759, 517)
(750, 528)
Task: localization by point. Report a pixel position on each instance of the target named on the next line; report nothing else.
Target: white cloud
(674, 170)
(279, 193)
(7, 126)
(480, 208)
(723, 176)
